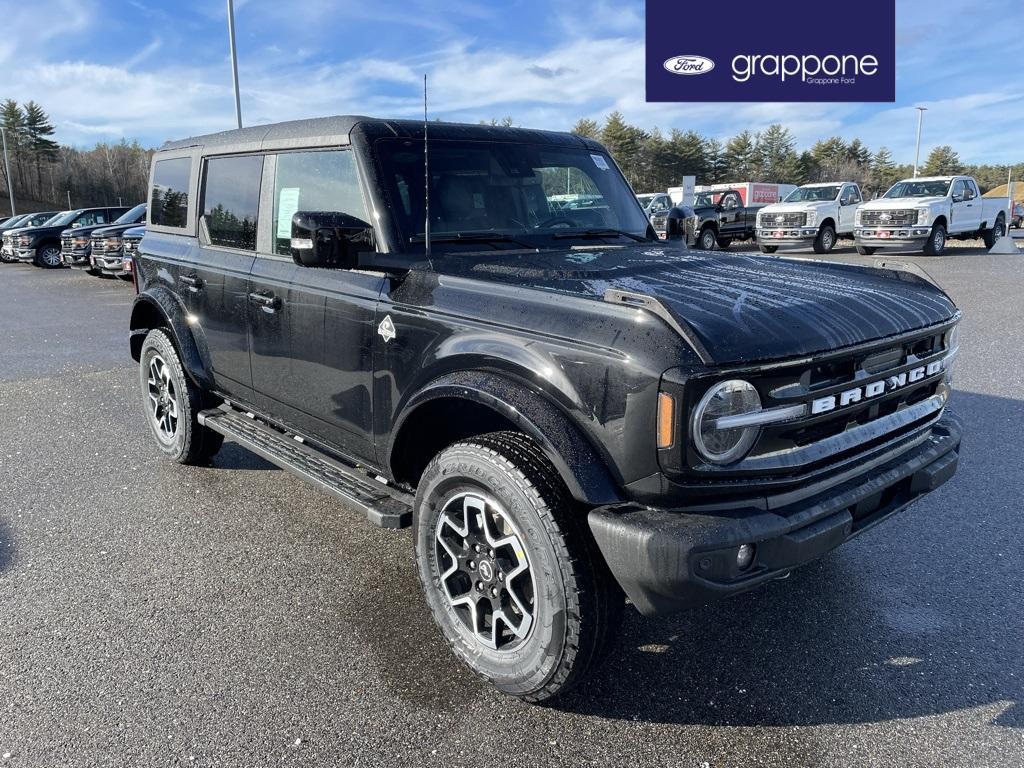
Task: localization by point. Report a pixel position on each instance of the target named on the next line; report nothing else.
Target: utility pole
(234, 61)
(916, 154)
(7, 172)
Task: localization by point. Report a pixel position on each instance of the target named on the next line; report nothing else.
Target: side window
(231, 199)
(969, 191)
(851, 196)
(313, 181)
(958, 190)
(168, 200)
(91, 218)
(731, 201)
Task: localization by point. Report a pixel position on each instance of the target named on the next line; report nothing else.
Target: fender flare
(585, 471)
(169, 307)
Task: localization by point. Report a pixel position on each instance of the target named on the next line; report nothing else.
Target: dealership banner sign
(786, 50)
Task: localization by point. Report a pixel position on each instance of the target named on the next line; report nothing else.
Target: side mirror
(675, 224)
(328, 239)
(958, 198)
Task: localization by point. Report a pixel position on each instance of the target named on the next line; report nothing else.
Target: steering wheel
(555, 221)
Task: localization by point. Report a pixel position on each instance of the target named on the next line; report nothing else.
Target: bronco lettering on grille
(875, 388)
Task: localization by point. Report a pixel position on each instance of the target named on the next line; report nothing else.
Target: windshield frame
(405, 233)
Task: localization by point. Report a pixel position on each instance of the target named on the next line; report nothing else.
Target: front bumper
(800, 236)
(25, 254)
(879, 237)
(667, 560)
(110, 265)
(76, 259)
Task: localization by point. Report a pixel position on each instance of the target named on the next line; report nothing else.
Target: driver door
(849, 201)
(731, 216)
(965, 210)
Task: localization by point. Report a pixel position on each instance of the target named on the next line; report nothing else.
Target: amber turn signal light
(666, 420)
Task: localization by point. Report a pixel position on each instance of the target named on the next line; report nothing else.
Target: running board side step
(383, 506)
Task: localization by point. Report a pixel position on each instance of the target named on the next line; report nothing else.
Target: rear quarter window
(168, 199)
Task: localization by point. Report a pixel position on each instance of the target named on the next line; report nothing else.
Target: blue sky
(106, 69)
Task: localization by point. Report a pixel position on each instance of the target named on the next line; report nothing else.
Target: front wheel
(707, 239)
(826, 239)
(509, 569)
(866, 250)
(172, 403)
(49, 256)
(935, 245)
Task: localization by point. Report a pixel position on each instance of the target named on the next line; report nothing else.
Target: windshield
(132, 216)
(812, 194)
(13, 222)
(919, 189)
(507, 195)
(61, 218)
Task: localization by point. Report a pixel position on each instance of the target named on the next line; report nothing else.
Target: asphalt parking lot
(157, 615)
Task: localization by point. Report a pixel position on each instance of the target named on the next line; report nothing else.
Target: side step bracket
(383, 506)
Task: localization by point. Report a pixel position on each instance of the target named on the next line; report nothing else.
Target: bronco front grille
(902, 218)
(841, 423)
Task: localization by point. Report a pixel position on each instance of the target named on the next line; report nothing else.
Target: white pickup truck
(814, 214)
(926, 212)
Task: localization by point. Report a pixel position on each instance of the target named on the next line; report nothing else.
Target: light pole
(7, 172)
(234, 61)
(916, 154)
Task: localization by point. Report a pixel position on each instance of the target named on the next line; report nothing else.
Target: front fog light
(716, 436)
(745, 556)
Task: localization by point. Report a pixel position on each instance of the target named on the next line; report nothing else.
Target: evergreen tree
(741, 157)
(942, 161)
(588, 128)
(883, 172)
(41, 147)
(714, 159)
(626, 144)
(777, 154)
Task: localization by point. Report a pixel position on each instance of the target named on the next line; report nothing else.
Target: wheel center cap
(486, 570)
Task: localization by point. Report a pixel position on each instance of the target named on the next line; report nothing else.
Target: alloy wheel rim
(828, 239)
(163, 399)
(708, 242)
(484, 571)
(940, 240)
(51, 257)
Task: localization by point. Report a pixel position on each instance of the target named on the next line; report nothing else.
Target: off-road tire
(707, 240)
(577, 606)
(768, 248)
(866, 250)
(989, 236)
(191, 442)
(935, 245)
(825, 240)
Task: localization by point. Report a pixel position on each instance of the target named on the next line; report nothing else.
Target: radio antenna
(426, 176)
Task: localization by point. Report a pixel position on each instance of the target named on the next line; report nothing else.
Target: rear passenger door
(312, 330)
(216, 284)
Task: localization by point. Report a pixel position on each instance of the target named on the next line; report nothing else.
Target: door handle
(193, 281)
(267, 301)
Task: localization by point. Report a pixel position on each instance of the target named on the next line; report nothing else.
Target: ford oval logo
(689, 65)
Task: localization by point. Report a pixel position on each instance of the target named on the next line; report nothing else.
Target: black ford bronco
(567, 411)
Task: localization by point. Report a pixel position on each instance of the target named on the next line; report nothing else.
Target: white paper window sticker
(287, 206)
(600, 162)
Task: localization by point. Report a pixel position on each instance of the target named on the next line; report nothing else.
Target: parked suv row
(98, 249)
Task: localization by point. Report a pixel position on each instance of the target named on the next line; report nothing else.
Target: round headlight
(725, 445)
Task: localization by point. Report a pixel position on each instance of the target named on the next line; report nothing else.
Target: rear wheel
(769, 248)
(49, 256)
(826, 239)
(707, 239)
(509, 569)
(866, 250)
(935, 245)
(989, 236)
(172, 403)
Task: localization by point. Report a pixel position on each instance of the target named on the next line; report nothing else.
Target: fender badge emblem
(387, 329)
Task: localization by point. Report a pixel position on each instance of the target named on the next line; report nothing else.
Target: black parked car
(42, 245)
(130, 240)
(96, 247)
(7, 254)
(564, 408)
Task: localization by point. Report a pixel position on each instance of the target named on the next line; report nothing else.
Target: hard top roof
(333, 131)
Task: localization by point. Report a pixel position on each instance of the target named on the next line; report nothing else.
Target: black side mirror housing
(675, 224)
(329, 239)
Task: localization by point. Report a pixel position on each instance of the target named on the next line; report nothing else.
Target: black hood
(82, 231)
(116, 229)
(742, 307)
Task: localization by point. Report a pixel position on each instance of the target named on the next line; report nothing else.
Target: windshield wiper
(589, 233)
(490, 238)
